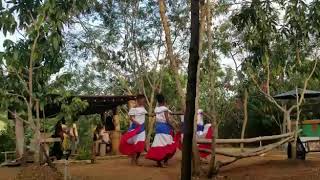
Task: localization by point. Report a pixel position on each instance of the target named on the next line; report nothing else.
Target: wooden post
(19, 130)
(116, 134)
(294, 144)
(103, 149)
(284, 122)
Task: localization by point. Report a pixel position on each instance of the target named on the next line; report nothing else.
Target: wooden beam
(252, 152)
(248, 140)
(311, 121)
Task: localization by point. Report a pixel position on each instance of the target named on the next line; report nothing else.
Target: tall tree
(191, 91)
(30, 62)
(170, 52)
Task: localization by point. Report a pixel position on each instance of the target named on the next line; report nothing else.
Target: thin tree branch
(17, 116)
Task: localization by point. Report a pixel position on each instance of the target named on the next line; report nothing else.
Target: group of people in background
(166, 139)
(69, 139)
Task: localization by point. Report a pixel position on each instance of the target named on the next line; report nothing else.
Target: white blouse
(160, 113)
(139, 114)
(200, 117)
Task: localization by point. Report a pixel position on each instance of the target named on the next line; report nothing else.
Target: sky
(13, 37)
(225, 62)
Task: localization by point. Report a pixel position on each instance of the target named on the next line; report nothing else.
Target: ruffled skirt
(164, 144)
(133, 141)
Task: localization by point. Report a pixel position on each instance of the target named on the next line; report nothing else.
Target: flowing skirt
(164, 145)
(133, 141)
(208, 135)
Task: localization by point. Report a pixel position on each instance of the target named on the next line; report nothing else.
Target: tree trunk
(196, 157)
(191, 92)
(284, 121)
(245, 119)
(170, 53)
(116, 135)
(288, 121)
(34, 124)
(150, 122)
(212, 164)
(19, 131)
(294, 144)
(268, 72)
(37, 135)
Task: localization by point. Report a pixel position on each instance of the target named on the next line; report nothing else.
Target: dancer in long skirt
(133, 141)
(163, 146)
(200, 128)
(207, 134)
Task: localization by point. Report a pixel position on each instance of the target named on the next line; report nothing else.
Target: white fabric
(200, 117)
(139, 114)
(200, 134)
(105, 135)
(139, 137)
(161, 140)
(206, 128)
(64, 127)
(160, 113)
(305, 139)
(182, 118)
(73, 129)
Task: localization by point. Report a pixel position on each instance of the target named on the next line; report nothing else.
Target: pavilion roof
(97, 104)
(293, 94)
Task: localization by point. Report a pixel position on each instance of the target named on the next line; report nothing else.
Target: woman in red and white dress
(207, 134)
(163, 146)
(133, 141)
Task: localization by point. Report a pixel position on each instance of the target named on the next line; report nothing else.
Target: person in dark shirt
(109, 126)
(57, 146)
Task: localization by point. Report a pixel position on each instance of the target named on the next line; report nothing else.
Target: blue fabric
(163, 128)
(200, 127)
(134, 126)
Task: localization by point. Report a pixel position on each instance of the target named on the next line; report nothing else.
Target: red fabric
(164, 152)
(178, 140)
(206, 146)
(130, 149)
(161, 153)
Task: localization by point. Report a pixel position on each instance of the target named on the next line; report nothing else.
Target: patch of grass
(83, 154)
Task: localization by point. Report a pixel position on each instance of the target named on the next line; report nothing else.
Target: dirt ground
(272, 166)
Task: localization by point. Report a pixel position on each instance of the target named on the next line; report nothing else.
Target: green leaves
(7, 22)
(55, 42)
(76, 106)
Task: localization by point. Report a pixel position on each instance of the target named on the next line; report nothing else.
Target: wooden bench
(311, 144)
(103, 148)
